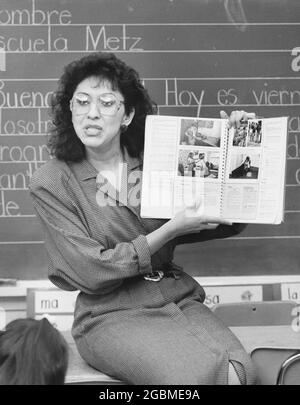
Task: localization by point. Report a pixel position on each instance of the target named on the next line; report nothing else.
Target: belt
(170, 270)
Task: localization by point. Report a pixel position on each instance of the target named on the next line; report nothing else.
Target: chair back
(261, 313)
(277, 365)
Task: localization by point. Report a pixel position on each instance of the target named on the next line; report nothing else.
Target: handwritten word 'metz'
(100, 39)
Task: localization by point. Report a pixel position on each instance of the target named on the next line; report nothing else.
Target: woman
(189, 135)
(243, 170)
(32, 352)
(201, 167)
(191, 164)
(138, 316)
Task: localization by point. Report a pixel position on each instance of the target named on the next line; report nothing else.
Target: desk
(252, 337)
(270, 347)
(79, 372)
(267, 336)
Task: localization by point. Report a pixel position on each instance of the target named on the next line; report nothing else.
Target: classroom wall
(196, 57)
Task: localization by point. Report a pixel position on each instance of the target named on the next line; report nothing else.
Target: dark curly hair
(63, 142)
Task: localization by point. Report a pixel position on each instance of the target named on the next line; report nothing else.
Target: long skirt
(148, 332)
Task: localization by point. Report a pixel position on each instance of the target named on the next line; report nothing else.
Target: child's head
(32, 352)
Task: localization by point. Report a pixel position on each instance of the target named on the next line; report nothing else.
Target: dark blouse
(93, 248)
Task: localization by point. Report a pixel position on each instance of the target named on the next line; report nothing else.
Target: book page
(161, 139)
(183, 161)
(255, 174)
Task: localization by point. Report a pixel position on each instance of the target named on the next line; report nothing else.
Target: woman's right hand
(236, 117)
(192, 220)
(189, 220)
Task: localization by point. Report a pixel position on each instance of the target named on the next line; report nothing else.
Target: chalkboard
(196, 57)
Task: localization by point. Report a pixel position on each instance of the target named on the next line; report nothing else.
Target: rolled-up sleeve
(76, 260)
(143, 252)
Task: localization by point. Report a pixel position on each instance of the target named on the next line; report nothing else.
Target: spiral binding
(225, 146)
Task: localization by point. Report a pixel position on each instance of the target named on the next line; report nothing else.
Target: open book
(238, 174)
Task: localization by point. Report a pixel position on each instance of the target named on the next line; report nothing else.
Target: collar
(85, 170)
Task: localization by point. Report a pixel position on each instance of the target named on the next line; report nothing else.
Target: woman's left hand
(237, 116)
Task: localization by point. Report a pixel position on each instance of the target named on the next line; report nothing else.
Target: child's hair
(32, 352)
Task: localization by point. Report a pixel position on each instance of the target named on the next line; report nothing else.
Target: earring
(124, 128)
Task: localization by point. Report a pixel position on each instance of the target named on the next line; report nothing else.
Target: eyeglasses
(107, 104)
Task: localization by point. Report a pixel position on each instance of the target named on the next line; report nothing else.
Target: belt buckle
(154, 276)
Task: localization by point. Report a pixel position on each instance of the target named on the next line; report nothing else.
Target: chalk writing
(97, 38)
(274, 97)
(34, 16)
(193, 69)
(27, 153)
(23, 126)
(13, 181)
(29, 44)
(293, 147)
(20, 179)
(297, 176)
(23, 99)
(294, 124)
(182, 98)
(8, 208)
(227, 97)
(236, 14)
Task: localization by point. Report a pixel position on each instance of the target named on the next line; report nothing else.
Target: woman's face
(97, 128)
